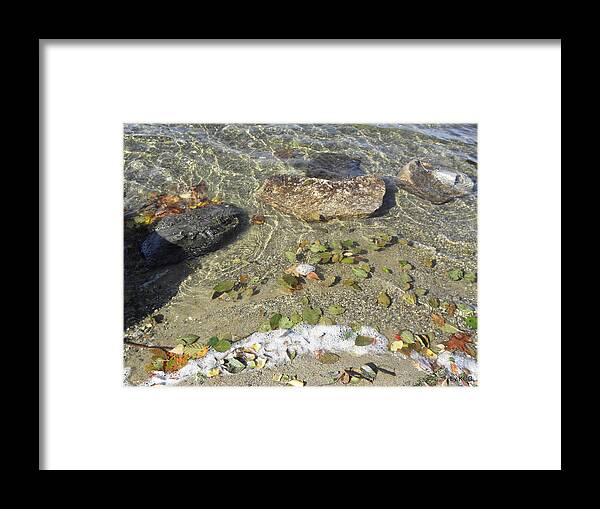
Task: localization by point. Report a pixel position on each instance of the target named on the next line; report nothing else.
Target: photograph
(302, 255)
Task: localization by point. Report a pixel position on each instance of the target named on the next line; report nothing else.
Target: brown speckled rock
(321, 199)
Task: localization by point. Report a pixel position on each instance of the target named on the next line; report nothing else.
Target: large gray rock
(436, 184)
(190, 234)
(322, 199)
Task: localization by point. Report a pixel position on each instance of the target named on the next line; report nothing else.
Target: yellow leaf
(202, 352)
(429, 353)
(178, 350)
(297, 383)
(212, 372)
(396, 345)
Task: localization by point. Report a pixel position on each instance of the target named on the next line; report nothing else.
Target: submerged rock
(190, 234)
(322, 199)
(333, 166)
(436, 184)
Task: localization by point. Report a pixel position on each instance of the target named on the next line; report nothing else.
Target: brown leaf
(438, 320)
(313, 276)
(257, 219)
(458, 341)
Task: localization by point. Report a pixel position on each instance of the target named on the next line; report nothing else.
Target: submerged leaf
(434, 302)
(336, 310)
(274, 321)
(470, 277)
(396, 345)
(311, 315)
(360, 273)
(384, 300)
(404, 265)
(285, 323)
(329, 281)
(364, 341)
(438, 320)
(455, 274)
(222, 346)
(325, 320)
(410, 298)
(408, 337)
(327, 357)
(224, 286)
(458, 341)
(471, 322)
(450, 328)
(188, 339)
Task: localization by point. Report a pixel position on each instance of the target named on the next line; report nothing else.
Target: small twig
(140, 345)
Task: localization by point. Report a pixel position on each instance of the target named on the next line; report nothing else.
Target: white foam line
(307, 339)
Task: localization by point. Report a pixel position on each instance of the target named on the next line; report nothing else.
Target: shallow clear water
(235, 159)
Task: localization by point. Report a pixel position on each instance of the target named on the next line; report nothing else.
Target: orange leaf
(458, 341)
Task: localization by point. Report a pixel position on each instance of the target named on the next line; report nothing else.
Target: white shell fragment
(303, 269)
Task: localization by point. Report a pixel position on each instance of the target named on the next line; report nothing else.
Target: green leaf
(317, 247)
(470, 277)
(351, 283)
(290, 256)
(329, 280)
(363, 341)
(359, 273)
(188, 339)
(328, 358)
(384, 300)
(387, 270)
(455, 274)
(296, 318)
(223, 345)
(348, 260)
(465, 310)
(369, 372)
(325, 320)
(224, 286)
(274, 321)
(407, 336)
(410, 298)
(311, 315)
(264, 326)
(434, 302)
(449, 328)
(289, 281)
(405, 277)
(305, 301)
(336, 310)
(234, 365)
(347, 244)
(471, 322)
(213, 341)
(420, 292)
(404, 265)
(429, 263)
